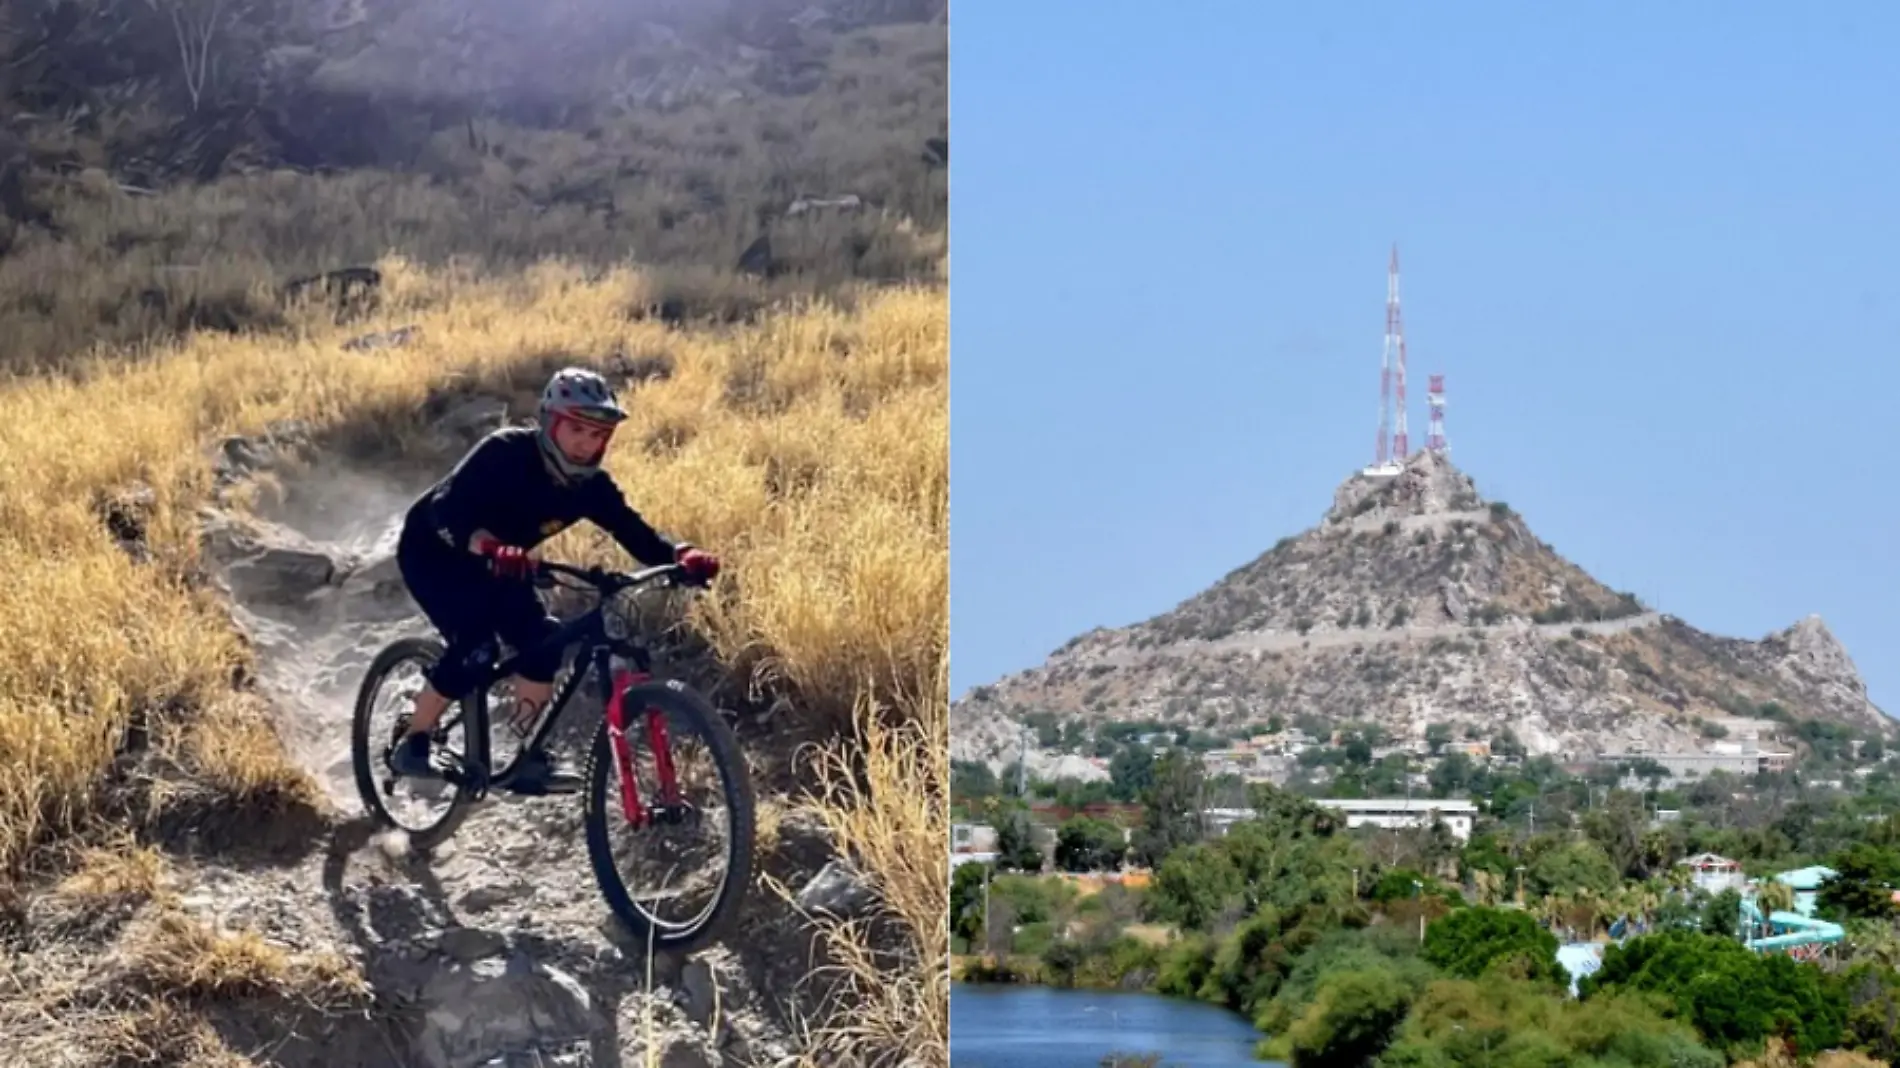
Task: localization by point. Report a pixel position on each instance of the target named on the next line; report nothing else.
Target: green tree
(1863, 883)
(1193, 886)
(1505, 744)
(1131, 772)
(1485, 852)
(1571, 867)
(1469, 941)
(1351, 1021)
(1185, 965)
(1873, 1018)
(1335, 950)
(971, 780)
(1453, 774)
(1437, 736)
(1733, 996)
(1358, 750)
(1171, 808)
(1087, 844)
(1723, 914)
(1501, 1022)
(966, 900)
(1617, 828)
(1249, 964)
(1061, 960)
(1016, 848)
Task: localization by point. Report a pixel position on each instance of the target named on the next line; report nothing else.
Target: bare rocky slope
(1416, 602)
(357, 83)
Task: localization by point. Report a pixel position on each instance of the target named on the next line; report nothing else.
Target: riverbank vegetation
(1413, 949)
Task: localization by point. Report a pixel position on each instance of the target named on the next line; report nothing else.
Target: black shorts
(471, 607)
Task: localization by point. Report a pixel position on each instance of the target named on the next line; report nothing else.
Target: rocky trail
(496, 948)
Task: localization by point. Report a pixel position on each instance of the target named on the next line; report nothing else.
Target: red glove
(506, 561)
(698, 564)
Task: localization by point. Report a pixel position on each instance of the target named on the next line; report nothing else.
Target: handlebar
(607, 583)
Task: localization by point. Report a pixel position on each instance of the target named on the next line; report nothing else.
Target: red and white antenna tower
(1395, 345)
(1393, 441)
(1435, 397)
(1385, 399)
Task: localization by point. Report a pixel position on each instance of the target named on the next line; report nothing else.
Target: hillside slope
(1415, 602)
(289, 293)
(741, 151)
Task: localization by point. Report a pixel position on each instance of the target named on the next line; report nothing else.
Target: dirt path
(498, 943)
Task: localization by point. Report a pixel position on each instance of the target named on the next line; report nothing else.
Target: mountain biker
(465, 549)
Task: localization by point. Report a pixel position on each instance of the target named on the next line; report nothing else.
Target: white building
(1715, 874)
(1215, 821)
(1737, 758)
(1395, 812)
(972, 838)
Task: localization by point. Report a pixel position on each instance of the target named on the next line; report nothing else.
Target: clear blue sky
(1653, 248)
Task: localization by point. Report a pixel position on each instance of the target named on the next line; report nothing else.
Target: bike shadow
(423, 962)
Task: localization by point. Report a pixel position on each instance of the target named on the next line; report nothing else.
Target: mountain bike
(604, 644)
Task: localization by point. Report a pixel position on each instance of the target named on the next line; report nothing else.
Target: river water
(1040, 1027)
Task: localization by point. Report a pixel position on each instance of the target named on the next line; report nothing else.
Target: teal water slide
(1791, 929)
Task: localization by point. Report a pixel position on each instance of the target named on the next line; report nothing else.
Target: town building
(1392, 813)
(1399, 812)
(1737, 758)
(1714, 873)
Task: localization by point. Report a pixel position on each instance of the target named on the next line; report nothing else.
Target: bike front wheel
(631, 860)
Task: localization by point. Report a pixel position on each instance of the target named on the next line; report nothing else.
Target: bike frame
(595, 658)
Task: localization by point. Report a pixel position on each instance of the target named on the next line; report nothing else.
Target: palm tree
(1877, 941)
(1648, 898)
(1587, 912)
(1626, 903)
(1554, 910)
(1680, 877)
(1774, 896)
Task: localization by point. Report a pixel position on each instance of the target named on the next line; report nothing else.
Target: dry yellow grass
(886, 801)
(1776, 1055)
(811, 452)
(178, 955)
(103, 876)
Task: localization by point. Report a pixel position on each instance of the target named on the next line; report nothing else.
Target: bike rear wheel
(393, 678)
(686, 715)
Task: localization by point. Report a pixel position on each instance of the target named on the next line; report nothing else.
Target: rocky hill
(1417, 602)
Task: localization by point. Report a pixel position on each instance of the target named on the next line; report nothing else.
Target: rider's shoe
(410, 758)
(538, 774)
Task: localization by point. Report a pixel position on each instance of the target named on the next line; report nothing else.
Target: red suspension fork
(662, 757)
(635, 812)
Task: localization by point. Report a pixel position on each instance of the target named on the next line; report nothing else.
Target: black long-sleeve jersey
(504, 486)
